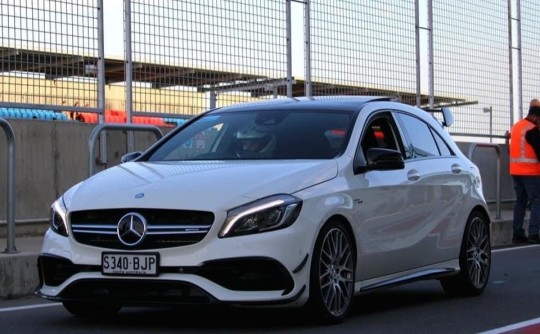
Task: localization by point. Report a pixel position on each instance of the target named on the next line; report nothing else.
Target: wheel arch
(483, 211)
(474, 258)
(347, 224)
(323, 303)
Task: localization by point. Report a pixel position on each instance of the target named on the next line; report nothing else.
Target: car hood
(195, 185)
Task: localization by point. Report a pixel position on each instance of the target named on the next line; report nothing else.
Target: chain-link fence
(49, 54)
(171, 58)
(363, 48)
(192, 55)
(470, 46)
(526, 45)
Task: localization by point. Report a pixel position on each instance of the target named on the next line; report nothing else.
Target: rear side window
(423, 140)
(441, 144)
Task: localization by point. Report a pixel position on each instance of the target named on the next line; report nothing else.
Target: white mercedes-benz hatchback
(301, 202)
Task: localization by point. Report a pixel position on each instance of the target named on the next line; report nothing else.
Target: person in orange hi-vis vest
(525, 171)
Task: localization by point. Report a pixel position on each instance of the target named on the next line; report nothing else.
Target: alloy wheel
(336, 272)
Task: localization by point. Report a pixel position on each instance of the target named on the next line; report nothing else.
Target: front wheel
(474, 259)
(332, 274)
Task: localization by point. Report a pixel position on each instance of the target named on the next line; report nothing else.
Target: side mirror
(130, 156)
(381, 159)
(448, 117)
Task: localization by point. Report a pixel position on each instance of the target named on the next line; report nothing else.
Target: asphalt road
(512, 297)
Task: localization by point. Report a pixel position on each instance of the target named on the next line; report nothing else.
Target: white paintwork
(402, 227)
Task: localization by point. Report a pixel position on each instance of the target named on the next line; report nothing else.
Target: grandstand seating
(111, 116)
(174, 121)
(41, 114)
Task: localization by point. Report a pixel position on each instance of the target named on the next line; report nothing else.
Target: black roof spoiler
(447, 115)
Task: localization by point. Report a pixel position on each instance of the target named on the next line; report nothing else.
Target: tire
(332, 274)
(91, 309)
(474, 260)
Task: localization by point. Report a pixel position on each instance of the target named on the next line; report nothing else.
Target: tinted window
(443, 147)
(271, 134)
(422, 143)
(379, 133)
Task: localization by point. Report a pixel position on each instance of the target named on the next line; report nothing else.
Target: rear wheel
(474, 259)
(332, 274)
(91, 309)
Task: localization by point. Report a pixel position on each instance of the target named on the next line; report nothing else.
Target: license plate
(130, 264)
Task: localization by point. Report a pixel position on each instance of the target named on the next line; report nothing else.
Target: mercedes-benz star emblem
(131, 229)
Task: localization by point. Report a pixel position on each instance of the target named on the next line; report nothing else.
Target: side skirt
(439, 270)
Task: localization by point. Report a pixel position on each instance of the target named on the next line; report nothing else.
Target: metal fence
(525, 48)
(49, 54)
(363, 47)
(470, 46)
(188, 56)
(172, 58)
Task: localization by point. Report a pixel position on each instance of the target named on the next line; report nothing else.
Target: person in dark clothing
(525, 171)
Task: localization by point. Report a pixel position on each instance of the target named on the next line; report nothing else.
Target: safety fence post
(10, 187)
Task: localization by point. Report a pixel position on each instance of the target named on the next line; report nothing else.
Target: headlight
(57, 220)
(266, 214)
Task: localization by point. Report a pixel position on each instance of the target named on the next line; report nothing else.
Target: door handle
(413, 175)
(456, 169)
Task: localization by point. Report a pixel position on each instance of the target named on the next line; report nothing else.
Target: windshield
(269, 134)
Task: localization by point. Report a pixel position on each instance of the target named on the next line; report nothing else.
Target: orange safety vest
(523, 159)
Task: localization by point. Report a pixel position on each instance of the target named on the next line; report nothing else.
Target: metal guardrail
(10, 248)
(104, 126)
(497, 149)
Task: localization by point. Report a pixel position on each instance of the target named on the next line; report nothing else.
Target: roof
(58, 65)
(345, 101)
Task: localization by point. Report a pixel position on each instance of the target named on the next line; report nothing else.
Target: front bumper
(174, 285)
(232, 271)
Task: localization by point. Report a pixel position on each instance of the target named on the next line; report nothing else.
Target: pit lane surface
(510, 304)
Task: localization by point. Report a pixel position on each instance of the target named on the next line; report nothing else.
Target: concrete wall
(52, 156)
(486, 158)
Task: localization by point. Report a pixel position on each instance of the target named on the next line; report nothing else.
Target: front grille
(165, 228)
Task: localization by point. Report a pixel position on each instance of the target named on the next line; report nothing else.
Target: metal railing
(10, 135)
(497, 149)
(104, 126)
